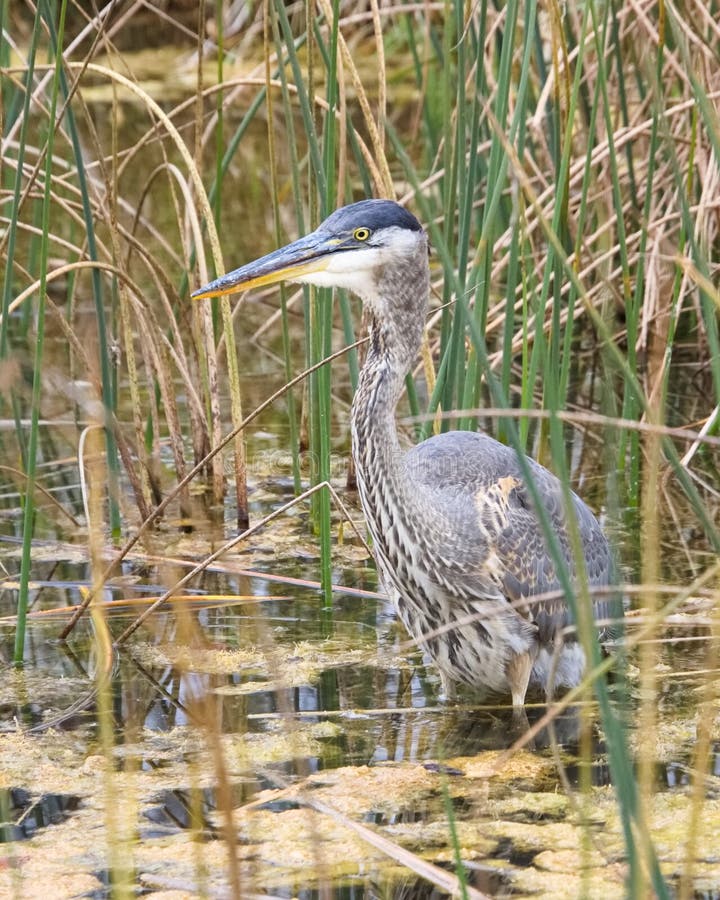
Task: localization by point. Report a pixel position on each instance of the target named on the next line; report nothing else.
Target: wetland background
(268, 730)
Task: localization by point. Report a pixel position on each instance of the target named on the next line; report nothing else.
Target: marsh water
(304, 705)
(345, 710)
(252, 720)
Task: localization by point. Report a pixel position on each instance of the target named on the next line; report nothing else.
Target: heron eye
(361, 234)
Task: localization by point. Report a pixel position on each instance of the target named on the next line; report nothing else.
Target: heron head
(351, 249)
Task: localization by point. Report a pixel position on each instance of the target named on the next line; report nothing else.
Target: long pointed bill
(302, 257)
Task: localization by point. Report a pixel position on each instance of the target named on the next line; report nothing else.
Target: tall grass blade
(30, 455)
(109, 395)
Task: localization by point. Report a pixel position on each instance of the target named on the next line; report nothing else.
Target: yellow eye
(361, 234)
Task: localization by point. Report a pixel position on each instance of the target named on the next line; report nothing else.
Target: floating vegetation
(303, 663)
(299, 835)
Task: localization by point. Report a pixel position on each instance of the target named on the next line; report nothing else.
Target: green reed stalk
(496, 212)
(554, 352)
(318, 303)
(30, 461)
(324, 319)
(304, 100)
(109, 389)
(586, 211)
(17, 189)
(29, 510)
(271, 26)
(573, 113)
(631, 309)
(450, 65)
(460, 187)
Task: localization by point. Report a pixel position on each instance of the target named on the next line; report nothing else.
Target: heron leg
(448, 687)
(550, 686)
(518, 672)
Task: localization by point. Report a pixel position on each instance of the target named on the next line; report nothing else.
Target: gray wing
(479, 482)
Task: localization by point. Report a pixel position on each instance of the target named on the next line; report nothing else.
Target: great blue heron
(457, 540)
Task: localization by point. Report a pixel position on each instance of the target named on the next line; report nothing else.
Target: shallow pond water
(315, 735)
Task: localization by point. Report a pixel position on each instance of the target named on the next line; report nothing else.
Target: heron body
(457, 539)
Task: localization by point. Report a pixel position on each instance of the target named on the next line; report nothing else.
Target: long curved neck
(397, 315)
